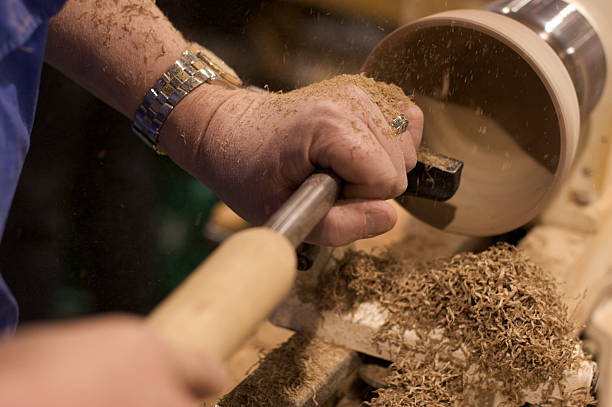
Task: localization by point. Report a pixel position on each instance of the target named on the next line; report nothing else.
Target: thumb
(353, 219)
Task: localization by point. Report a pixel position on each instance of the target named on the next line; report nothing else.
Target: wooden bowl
(495, 96)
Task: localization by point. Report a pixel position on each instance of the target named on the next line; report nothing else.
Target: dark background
(99, 222)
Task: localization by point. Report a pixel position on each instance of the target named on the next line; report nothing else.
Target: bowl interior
(484, 104)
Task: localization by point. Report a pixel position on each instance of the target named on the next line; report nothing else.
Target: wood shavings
(487, 323)
(282, 377)
(387, 97)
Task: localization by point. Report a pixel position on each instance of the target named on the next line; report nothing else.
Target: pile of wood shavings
(498, 309)
(285, 373)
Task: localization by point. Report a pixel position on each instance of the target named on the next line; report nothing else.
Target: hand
(101, 362)
(259, 147)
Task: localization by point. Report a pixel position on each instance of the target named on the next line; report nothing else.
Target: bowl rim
(549, 68)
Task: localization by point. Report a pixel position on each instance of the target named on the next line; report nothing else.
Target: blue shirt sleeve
(23, 30)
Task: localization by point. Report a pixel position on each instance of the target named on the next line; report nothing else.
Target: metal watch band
(187, 73)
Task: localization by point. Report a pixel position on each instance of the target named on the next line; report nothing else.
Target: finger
(411, 138)
(352, 220)
(350, 149)
(201, 374)
(381, 127)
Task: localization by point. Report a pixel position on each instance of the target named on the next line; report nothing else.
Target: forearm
(117, 49)
(114, 49)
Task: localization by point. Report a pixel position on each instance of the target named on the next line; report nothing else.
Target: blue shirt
(23, 30)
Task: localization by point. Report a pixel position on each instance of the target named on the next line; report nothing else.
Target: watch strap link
(184, 75)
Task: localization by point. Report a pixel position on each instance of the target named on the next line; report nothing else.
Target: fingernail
(377, 222)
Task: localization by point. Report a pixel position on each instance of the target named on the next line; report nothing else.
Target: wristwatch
(184, 75)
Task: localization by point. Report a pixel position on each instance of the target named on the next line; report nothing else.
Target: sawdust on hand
(387, 97)
(487, 323)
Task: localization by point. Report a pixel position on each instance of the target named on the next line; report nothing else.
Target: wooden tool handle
(224, 300)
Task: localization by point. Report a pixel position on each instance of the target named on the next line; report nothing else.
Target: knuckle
(326, 116)
(399, 186)
(390, 189)
(410, 159)
(390, 184)
(415, 113)
(323, 109)
(359, 93)
(417, 137)
(364, 100)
